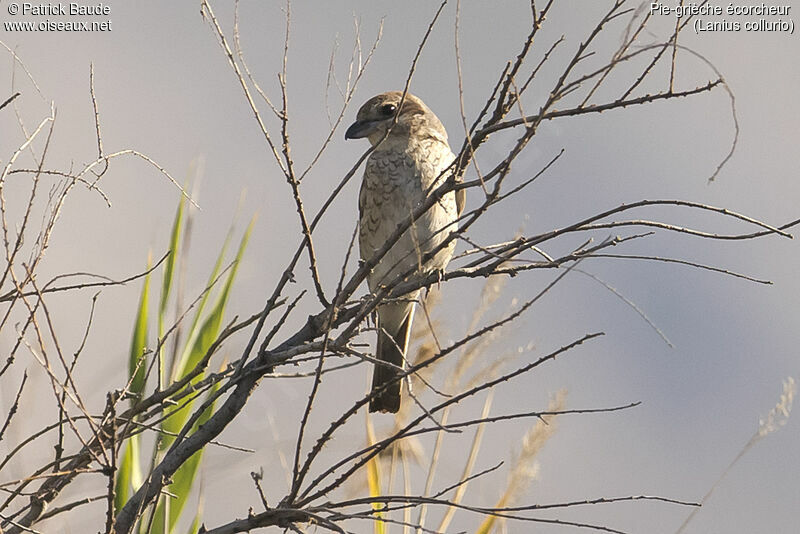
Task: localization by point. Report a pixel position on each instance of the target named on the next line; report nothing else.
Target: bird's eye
(388, 110)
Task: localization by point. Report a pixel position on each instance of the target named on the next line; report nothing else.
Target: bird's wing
(461, 199)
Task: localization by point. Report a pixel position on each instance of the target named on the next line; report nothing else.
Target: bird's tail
(390, 349)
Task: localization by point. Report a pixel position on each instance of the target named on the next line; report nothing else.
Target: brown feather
(411, 158)
(384, 377)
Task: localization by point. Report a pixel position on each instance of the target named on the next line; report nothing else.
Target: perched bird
(405, 167)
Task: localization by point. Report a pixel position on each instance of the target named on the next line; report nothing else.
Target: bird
(411, 158)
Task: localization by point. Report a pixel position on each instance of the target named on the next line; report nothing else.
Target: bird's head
(414, 119)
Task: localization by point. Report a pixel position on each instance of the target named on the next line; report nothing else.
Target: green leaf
(201, 336)
(195, 528)
(136, 363)
(201, 339)
(180, 366)
(169, 265)
(159, 519)
(374, 480)
(166, 286)
(129, 473)
(185, 475)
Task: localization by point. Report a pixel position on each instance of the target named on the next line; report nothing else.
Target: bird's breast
(396, 181)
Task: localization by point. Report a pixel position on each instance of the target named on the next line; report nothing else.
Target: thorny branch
(331, 331)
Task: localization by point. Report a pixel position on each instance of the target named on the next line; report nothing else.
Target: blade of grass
(195, 528)
(470, 464)
(166, 284)
(523, 469)
(199, 341)
(163, 365)
(129, 474)
(136, 365)
(184, 477)
(179, 367)
(374, 479)
(207, 333)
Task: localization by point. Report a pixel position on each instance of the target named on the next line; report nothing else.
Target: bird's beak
(360, 129)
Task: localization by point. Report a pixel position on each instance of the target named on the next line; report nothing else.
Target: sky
(164, 88)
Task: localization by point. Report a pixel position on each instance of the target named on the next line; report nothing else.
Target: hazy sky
(164, 87)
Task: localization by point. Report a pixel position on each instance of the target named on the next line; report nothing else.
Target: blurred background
(164, 88)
